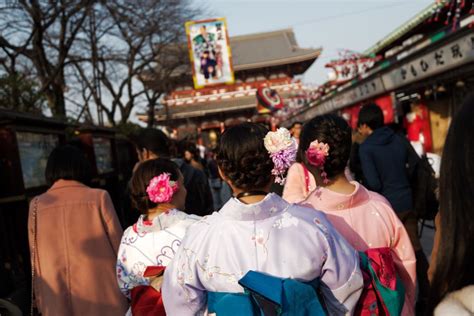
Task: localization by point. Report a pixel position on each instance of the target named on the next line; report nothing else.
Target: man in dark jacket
(383, 156)
(153, 143)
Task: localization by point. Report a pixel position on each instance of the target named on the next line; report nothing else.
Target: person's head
(142, 177)
(203, 29)
(243, 161)
(67, 162)
(189, 151)
(151, 143)
(295, 129)
(416, 107)
(370, 118)
(334, 131)
(453, 268)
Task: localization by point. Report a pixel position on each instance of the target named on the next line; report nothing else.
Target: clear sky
(335, 24)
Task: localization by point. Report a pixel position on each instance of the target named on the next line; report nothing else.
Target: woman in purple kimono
(258, 231)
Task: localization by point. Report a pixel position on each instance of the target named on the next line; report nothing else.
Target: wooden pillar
(222, 127)
(273, 123)
(199, 136)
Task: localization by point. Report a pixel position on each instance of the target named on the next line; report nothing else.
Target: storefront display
(103, 155)
(34, 149)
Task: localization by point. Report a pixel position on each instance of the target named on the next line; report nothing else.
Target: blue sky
(333, 25)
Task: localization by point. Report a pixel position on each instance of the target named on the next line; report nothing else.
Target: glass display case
(103, 154)
(34, 150)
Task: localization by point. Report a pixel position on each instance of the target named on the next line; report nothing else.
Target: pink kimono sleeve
(405, 262)
(295, 186)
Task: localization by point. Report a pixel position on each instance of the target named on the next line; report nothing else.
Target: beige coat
(78, 235)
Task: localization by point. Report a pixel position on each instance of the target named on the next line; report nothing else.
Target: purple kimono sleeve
(341, 279)
(181, 290)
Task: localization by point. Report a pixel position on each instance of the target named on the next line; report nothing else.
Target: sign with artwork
(209, 52)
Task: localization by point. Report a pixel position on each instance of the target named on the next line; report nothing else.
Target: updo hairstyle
(242, 156)
(146, 171)
(332, 130)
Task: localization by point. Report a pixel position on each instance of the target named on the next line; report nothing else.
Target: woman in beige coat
(74, 236)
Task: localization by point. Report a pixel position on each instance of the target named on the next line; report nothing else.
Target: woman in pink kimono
(259, 231)
(363, 217)
(299, 183)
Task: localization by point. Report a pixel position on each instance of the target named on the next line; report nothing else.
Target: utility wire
(322, 19)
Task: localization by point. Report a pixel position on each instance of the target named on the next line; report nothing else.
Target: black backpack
(424, 185)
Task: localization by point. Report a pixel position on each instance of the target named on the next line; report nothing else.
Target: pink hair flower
(161, 188)
(316, 156)
(317, 153)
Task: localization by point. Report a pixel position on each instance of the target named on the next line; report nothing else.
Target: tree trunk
(151, 115)
(56, 102)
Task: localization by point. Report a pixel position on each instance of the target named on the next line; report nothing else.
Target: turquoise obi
(268, 295)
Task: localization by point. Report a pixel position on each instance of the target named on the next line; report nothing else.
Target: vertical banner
(209, 52)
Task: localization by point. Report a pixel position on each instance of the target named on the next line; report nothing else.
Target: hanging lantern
(268, 100)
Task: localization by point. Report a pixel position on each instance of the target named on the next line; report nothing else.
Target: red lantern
(268, 100)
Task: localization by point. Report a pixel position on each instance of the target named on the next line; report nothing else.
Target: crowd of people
(298, 222)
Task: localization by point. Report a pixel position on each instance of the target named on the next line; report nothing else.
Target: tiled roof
(268, 49)
(404, 28)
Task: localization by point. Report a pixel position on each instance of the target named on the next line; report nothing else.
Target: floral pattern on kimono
(272, 237)
(149, 243)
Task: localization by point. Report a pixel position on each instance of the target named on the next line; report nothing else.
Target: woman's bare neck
(340, 184)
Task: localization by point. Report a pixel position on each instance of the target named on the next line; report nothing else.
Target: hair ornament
(282, 148)
(316, 155)
(161, 189)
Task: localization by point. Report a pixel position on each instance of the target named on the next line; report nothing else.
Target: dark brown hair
(67, 162)
(242, 156)
(334, 131)
(153, 140)
(371, 115)
(454, 267)
(146, 171)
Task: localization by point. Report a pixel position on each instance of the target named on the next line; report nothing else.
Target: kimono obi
(268, 295)
(384, 293)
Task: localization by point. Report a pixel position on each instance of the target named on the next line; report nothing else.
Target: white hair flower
(282, 149)
(277, 141)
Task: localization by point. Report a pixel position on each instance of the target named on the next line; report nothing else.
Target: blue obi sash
(267, 295)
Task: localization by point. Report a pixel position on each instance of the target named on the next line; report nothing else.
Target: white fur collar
(458, 303)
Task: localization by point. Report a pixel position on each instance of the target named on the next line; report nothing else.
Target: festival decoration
(453, 9)
(297, 100)
(268, 100)
(349, 66)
